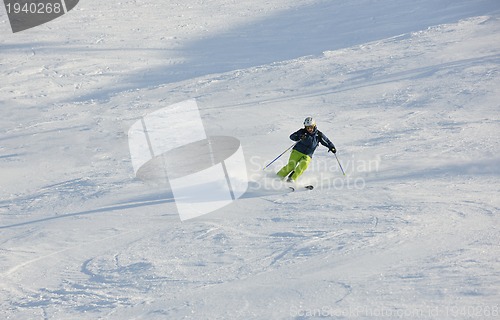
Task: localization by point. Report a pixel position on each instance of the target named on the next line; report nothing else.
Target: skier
(308, 139)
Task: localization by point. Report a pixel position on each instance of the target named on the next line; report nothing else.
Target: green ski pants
(298, 163)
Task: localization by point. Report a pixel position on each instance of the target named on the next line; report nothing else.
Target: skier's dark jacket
(310, 141)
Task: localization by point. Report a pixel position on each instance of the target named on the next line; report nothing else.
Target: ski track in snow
(408, 92)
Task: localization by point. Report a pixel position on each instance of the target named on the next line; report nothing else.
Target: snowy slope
(407, 90)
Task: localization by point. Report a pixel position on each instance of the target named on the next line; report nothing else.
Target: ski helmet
(309, 122)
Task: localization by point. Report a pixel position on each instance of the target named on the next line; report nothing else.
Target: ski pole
(339, 164)
(270, 163)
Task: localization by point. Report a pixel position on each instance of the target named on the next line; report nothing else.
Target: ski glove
(332, 150)
(303, 137)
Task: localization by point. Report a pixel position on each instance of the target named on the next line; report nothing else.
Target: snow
(408, 92)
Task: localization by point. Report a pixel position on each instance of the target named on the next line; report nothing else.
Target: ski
(308, 187)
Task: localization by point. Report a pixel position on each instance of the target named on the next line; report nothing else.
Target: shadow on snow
(299, 32)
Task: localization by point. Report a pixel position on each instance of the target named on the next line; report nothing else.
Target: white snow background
(408, 91)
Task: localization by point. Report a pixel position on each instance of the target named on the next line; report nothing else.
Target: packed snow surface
(408, 91)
